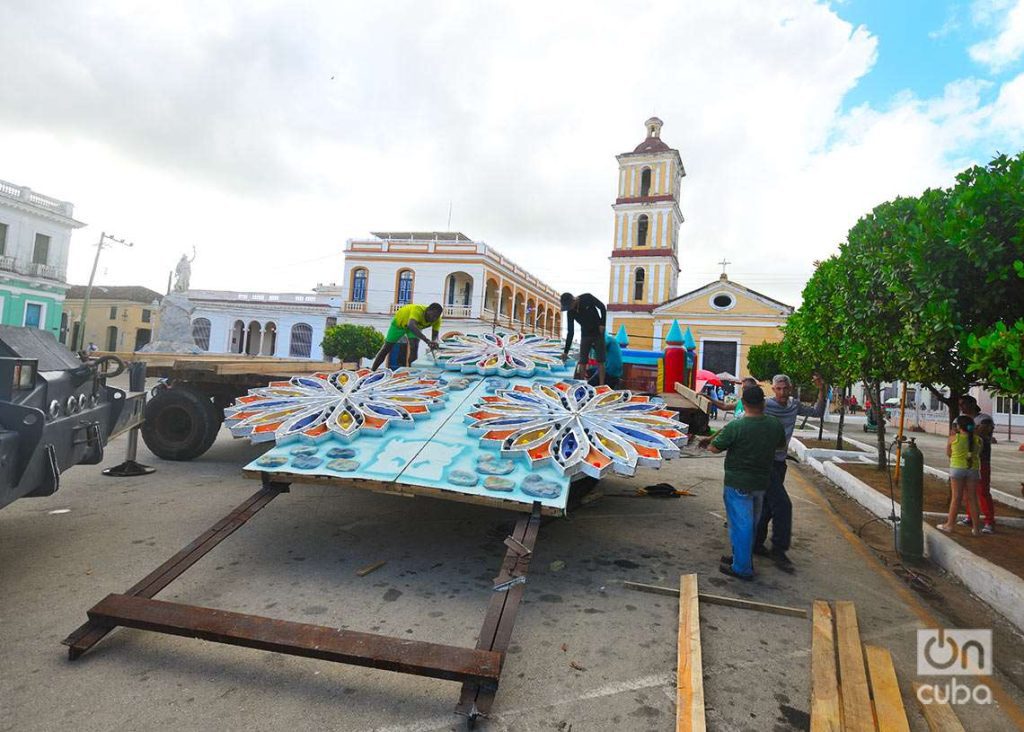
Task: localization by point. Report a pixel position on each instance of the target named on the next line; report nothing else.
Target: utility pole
(88, 288)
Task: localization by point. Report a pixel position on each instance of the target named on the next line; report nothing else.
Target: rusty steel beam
(475, 699)
(435, 660)
(92, 631)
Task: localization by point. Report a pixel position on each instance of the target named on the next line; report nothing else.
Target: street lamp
(88, 288)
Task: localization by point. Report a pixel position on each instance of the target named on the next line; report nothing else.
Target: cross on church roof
(724, 263)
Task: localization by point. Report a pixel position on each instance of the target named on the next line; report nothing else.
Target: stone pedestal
(174, 334)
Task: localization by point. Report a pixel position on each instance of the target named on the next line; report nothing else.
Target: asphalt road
(297, 559)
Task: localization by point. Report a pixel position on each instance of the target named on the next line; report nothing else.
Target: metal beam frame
(478, 668)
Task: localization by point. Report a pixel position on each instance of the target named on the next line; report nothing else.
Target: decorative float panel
(575, 427)
(502, 354)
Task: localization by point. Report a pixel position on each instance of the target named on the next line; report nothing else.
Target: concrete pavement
(296, 560)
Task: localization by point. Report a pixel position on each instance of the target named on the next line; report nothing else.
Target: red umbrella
(708, 377)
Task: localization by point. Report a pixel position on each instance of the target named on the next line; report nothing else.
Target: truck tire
(181, 424)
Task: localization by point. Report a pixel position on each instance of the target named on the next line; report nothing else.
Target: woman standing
(964, 451)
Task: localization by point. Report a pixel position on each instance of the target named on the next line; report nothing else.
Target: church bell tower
(644, 260)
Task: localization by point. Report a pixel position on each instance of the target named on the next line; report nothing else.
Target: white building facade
(282, 324)
(481, 290)
(35, 236)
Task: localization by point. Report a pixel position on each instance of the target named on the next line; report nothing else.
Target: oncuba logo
(954, 652)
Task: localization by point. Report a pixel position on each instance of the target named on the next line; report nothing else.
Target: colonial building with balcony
(481, 289)
(282, 324)
(35, 235)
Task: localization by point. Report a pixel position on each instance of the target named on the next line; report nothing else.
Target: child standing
(964, 451)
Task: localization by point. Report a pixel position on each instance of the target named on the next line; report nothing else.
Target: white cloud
(208, 125)
(1008, 44)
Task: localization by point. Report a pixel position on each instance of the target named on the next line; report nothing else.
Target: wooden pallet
(853, 686)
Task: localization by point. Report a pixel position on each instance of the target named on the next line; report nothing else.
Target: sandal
(944, 528)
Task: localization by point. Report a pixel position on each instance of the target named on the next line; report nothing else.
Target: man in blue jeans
(749, 445)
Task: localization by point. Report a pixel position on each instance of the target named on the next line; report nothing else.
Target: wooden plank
(300, 639)
(853, 678)
(826, 709)
(940, 717)
(90, 633)
(698, 400)
(885, 690)
(764, 607)
(690, 672)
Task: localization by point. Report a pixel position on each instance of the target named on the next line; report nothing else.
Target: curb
(1000, 589)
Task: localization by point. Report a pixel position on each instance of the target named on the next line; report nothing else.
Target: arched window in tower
(645, 182)
(638, 284)
(641, 230)
(404, 293)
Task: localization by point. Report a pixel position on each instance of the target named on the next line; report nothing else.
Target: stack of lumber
(854, 685)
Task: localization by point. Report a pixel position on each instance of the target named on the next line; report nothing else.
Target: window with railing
(3, 238)
(201, 333)
(146, 315)
(405, 281)
(41, 251)
(1009, 405)
(359, 279)
(301, 344)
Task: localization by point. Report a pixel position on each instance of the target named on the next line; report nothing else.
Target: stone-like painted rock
(343, 465)
(496, 483)
(462, 477)
(534, 485)
(495, 466)
(494, 383)
(272, 461)
(304, 450)
(306, 462)
(341, 452)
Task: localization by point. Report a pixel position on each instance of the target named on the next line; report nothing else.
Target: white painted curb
(999, 588)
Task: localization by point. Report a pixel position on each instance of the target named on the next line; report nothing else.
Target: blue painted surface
(425, 452)
(641, 358)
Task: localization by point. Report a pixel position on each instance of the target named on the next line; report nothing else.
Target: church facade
(725, 317)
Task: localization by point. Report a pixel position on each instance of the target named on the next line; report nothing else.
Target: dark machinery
(55, 411)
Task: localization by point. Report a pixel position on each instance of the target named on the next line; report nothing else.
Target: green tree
(998, 356)
(765, 360)
(351, 342)
(956, 280)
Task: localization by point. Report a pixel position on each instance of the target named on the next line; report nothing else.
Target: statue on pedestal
(174, 332)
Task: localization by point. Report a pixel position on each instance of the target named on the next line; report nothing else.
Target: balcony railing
(458, 311)
(32, 269)
(354, 306)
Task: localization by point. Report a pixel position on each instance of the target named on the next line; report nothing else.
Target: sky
(265, 134)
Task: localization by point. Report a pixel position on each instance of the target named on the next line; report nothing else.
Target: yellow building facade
(725, 317)
(120, 318)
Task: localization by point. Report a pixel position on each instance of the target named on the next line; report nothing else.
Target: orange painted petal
(598, 459)
(267, 427)
(498, 434)
(649, 452)
(374, 423)
(539, 452)
(316, 431)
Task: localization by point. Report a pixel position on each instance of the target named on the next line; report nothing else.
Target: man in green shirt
(411, 320)
(749, 445)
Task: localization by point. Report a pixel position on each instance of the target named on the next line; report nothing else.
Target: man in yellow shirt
(411, 320)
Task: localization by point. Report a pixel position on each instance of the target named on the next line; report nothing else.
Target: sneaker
(988, 529)
(963, 521)
(945, 529)
(761, 551)
(727, 569)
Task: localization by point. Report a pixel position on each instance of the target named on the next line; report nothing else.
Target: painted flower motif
(504, 354)
(578, 428)
(342, 404)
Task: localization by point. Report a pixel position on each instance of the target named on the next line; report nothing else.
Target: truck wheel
(181, 424)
